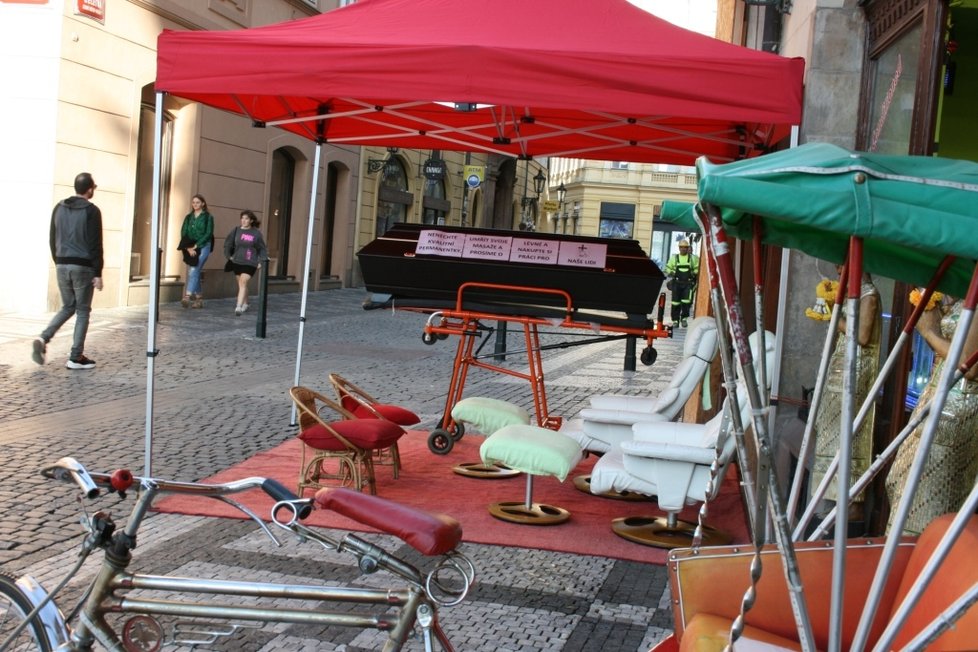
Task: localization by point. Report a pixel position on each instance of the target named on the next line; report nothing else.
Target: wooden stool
(534, 451)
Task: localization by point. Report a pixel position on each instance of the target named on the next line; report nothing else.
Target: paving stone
(221, 396)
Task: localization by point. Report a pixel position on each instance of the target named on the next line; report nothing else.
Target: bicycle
(31, 620)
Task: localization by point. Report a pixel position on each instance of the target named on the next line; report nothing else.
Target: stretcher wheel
(458, 429)
(442, 336)
(648, 356)
(440, 441)
(428, 338)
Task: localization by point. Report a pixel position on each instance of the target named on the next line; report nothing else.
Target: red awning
(574, 78)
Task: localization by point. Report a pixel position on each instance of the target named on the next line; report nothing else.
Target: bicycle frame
(110, 591)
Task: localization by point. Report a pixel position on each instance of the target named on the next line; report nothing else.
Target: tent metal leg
(154, 288)
(305, 272)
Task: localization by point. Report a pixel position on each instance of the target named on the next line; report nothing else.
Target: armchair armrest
(629, 403)
(668, 432)
(669, 452)
(620, 417)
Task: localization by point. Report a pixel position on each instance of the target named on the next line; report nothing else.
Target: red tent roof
(576, 78)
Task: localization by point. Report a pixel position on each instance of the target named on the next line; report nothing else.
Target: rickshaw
(909, 218)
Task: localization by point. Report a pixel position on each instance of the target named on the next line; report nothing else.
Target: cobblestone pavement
(221, 396)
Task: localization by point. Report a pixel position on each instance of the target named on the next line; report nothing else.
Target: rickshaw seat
(708, 587)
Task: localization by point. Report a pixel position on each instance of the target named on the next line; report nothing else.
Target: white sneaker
(237, 311)
(244, 308)
(81, 362)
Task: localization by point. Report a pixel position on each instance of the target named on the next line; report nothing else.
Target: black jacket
(76, 234)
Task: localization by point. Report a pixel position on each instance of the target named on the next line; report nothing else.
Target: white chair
(672, 461)
(610, 418)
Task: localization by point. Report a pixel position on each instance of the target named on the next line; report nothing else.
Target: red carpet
(427, 482)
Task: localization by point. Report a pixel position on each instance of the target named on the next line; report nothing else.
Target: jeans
(193, 273)
(75, 284)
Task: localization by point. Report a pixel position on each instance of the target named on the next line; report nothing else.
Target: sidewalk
(221, 396)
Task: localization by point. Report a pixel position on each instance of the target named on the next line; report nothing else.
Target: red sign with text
(94, 9)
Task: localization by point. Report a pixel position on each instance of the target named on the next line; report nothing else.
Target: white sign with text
(583, 254)
(440, 243)
(487, 247)
(534, 251)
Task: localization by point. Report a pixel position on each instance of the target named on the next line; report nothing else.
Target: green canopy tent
(910, 211)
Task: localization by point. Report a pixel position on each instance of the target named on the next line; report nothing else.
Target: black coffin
(629, 282)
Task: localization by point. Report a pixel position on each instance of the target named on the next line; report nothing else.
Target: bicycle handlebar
(68, 467)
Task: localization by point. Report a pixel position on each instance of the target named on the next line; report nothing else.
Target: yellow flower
(824, 299)
(826, 289)
(934, 299)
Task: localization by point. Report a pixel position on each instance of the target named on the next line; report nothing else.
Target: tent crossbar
(390, 140)
(578, 151)
(366, 109)
(652, 123)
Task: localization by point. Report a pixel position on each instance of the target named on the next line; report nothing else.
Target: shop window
(393, 196)
(617, 220)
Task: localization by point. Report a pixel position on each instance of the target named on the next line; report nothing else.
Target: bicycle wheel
(14, 607)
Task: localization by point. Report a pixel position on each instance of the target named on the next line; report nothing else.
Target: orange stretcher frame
(466, 325)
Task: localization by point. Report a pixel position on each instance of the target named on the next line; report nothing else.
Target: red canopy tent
(577, 78)
(574, 78)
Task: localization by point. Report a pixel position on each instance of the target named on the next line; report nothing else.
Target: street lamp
(538, 180)
(526, 203)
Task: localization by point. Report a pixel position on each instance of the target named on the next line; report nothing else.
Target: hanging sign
(94, 9)
(474, 175)
(434, 169)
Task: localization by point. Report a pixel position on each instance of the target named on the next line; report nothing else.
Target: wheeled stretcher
(469, 325)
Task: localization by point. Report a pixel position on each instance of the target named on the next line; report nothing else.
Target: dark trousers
(682, 299)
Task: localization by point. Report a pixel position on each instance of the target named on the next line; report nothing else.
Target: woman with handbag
(196, 241)
(245, 250)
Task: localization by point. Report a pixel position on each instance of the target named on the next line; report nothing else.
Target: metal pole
(154, 289)
(465, 191)
(305, 274)
(927, 437)
(262, 300)
(500, 347)
(629, 353)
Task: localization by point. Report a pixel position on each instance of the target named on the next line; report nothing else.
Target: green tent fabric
(911, 211)
(680, 214)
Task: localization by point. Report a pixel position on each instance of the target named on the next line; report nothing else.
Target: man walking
(76, 247)
(684, 269)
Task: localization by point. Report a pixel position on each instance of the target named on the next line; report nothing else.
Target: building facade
(78, 96)
(618, 199)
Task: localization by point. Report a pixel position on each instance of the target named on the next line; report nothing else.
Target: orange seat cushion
(364, 433)
(709, 633)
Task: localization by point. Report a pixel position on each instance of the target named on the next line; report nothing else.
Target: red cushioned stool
(364, 406)
(339, 450)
